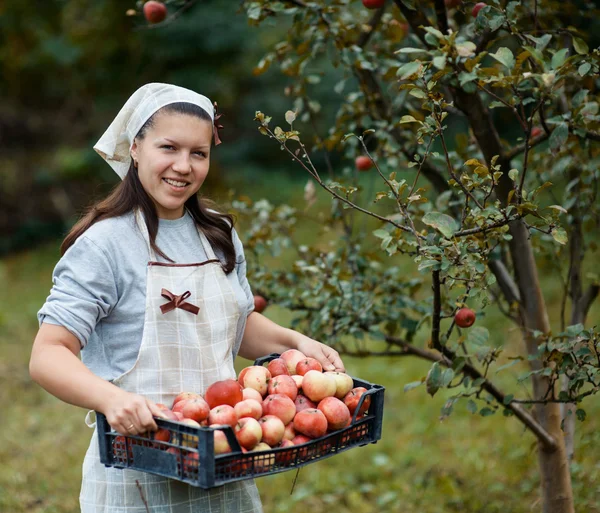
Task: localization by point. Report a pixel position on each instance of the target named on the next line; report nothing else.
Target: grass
(422, 464)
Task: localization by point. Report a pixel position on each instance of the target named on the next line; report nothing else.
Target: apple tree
(477, 125)
(481, 125)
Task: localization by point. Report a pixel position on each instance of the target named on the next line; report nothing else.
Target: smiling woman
(136, 353)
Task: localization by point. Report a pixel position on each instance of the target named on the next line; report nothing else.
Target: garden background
(67, 67)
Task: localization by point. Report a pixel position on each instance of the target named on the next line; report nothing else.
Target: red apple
(283, 385)
(162, 435)
(299, 440)
(260, 303)
(241, 465)
(249, 408)
(257, 377)
(221, 443)
(190, 463)
(289, 433)
(353, 397)
(196, 409)
(336, 413)
(477, 8)
(285, 457)
(278, 367)
(343, 383)
(248, 432)
(291, 357)
(281, 406)
(311, 422)
(241, 375)
(187, 439)
(119, 445)
(363, 163)
(272, 429)
(227, 391)
(373, 4)
(317, 385)
(266, 462)
(303, 403)
(536, 131)
(303, 366)
(184, 395)
(250, 393)
(464, 318)
(298, 380)
(155, 12)
(223, 415)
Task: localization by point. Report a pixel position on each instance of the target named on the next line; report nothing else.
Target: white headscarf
(115, 145)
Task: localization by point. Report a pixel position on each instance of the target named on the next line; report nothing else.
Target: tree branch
(505, 281)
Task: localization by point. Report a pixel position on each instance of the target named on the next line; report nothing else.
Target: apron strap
(139, 218)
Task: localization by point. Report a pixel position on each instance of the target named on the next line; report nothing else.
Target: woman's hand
(329, 358)
(131, 414)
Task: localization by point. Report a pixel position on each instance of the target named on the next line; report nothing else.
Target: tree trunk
(557, 494)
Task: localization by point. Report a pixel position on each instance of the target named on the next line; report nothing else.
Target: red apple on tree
(260, 304)
(464, 318)
(536, 131)
(363, 163)
(373, 4)
(477, 8)
(155, 12)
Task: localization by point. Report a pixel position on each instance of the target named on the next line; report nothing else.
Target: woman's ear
(133, 151)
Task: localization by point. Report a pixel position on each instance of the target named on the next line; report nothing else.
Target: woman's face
(173, 160)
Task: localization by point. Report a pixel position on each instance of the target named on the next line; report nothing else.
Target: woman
(151, 288)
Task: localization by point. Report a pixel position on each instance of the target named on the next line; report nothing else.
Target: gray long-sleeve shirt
(99, 288)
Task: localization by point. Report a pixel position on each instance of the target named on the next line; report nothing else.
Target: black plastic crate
(189, 455)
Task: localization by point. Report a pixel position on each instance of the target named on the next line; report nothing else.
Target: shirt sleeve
(84, 290)
(240, 267)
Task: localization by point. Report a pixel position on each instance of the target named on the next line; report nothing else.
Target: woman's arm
(263, 336)
(55, 366)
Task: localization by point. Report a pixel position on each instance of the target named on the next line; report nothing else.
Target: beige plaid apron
(180, 351)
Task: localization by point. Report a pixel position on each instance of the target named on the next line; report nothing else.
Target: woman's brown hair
(130, 194)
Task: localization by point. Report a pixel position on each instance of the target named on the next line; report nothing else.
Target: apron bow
(177, 302)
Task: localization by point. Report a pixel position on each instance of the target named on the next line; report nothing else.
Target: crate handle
(370, 391)
(231, 438)
(263, 359)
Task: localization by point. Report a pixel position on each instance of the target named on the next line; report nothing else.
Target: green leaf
(478, 335)
(414, 384)
(408, 119)
(580, 414)
(559, 58)
(472, 406)
(513, 174)
(584, 68)
(434, 379)
(574, 330)
(381, 234)
(442, 222)
(486, 412)
(560, 235)
(580, 46)
(559, 136)
(447, 377)
(290, 116)
(508, 398)
(504, 56)
(408, 69)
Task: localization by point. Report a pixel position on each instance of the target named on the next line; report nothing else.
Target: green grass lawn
(422, 464)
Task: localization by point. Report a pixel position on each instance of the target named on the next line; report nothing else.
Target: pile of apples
(289, 402)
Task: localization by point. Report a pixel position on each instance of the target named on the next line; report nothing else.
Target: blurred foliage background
(67, 67)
